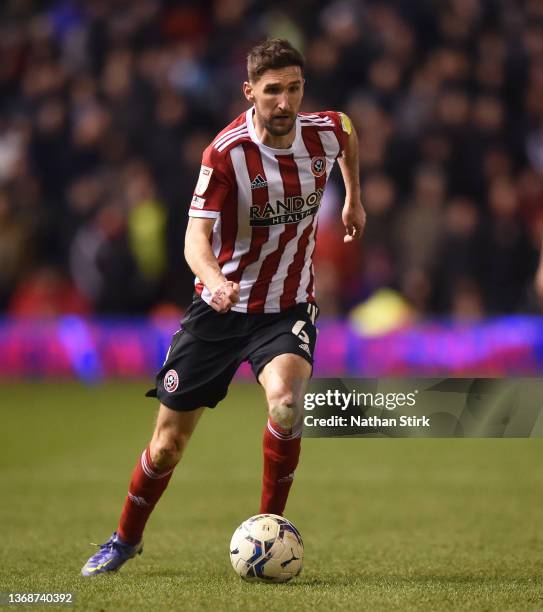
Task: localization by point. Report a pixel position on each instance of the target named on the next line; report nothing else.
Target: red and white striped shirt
(265, 202)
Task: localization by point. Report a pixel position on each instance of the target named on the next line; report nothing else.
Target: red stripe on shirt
(294, 273)
(259, 235)
(315, 149)
(288, 170)
(229, 220)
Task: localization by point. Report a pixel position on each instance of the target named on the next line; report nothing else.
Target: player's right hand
(224, 296)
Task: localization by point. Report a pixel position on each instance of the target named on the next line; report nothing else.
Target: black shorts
(208, 349)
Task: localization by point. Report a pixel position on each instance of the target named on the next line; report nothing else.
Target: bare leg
(172, 433)
(154, 469)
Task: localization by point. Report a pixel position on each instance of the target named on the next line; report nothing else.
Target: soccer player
(249, 241)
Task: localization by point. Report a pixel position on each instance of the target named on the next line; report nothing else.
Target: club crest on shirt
(318, 166)
(203, 180)
(171, 381)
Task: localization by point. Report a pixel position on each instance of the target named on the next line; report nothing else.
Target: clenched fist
(224, 296)
(354, 220)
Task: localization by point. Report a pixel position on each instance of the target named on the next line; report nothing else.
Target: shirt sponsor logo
(203, 180)
(293, 210)
(197, 202)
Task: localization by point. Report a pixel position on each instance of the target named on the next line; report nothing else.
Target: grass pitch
(387, 524)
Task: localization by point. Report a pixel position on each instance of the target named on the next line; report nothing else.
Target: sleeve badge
(203, 180)
(346, 123)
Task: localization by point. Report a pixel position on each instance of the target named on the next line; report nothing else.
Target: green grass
(388, 524)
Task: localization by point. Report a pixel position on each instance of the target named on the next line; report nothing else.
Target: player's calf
(281, 448)
(171, 436)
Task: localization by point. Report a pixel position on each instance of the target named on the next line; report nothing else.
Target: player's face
(277, 97)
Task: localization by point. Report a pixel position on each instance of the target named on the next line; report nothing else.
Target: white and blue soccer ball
(267, 548)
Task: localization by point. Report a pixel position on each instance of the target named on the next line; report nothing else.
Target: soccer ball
(267, 548)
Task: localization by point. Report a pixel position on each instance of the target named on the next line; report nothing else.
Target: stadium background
(105, 108)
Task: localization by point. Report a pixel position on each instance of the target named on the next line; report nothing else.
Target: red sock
(281, 453)
(146, 487)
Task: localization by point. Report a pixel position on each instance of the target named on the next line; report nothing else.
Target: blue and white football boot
(111, 556)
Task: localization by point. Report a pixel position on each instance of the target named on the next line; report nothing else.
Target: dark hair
(271, 54)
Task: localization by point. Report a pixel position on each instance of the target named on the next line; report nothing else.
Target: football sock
(146, 487)
(281, 453)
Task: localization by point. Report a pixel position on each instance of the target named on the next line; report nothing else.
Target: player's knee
(166, 451)
(283, 411)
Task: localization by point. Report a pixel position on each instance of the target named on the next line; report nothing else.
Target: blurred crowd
(106, 106)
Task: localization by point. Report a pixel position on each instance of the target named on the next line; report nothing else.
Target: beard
(280, 126)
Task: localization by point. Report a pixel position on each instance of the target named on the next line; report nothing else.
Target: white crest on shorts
(171, 381)
(203, 180)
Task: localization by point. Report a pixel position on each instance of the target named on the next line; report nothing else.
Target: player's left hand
(354, 220)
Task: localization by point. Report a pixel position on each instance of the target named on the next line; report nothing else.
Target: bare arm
(353, 214)
(204, 264)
